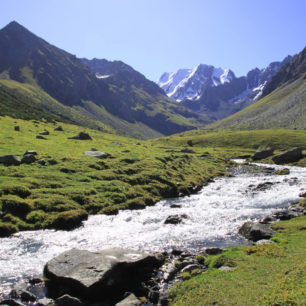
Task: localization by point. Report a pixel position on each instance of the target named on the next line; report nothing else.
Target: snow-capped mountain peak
(191, 83)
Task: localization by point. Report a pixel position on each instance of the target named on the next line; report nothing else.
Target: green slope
(285, 107)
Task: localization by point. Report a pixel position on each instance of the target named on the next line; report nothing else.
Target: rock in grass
(289, 156)
(130, 300)
(45, 132)
(10, 160)
(28, 159)
(32, 152)
(59, 129)
(17, 128)
(81, 136)
(262, 152)
(100, 276)
(256, 231)
(41, 137)
(97, 154)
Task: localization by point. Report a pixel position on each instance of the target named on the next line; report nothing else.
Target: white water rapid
(214, 217)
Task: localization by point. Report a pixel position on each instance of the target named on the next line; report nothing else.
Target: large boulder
(262, 152)
(97, 154)
(100, 276)
(289, 156)
(256, 231)
(10, 160)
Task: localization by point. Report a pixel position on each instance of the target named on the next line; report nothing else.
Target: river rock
(256, 231)
(285, 215)
(302, 194)
(98, 276)
(175, 219)
(45, 302)
(289, 156)
(175, 206)
(21, 292)
(81, 136)
(67, 300)
(130, 300)
(262, 152)
(10, 160)
(97, 154)
(214, 251)
(28, 159)
(11, 302)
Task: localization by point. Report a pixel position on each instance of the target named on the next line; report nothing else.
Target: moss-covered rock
(7, 229)
(15, 205)
(68, 220)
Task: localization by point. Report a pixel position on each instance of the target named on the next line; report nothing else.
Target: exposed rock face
(289, 156)
(81, 136)
(97, 154)
(100, 276)
(262, 152)
(10, 160)
(256, 231)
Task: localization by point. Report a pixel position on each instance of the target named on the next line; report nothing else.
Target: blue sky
(154, 36)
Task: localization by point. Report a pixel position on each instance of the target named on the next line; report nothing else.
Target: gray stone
(130, 300)
(190, 268)
(67, 300)
(169, 272)
(45, 302)
(11, 302)
(21, 292)
(28, 159)
(289, 156)
(226, 269)
(41, 137)
(10, 160)
(262, 152)
(42, 162)
(256, 231)
(100, 275)
(97, 154)
(264, 241)
(175, 206)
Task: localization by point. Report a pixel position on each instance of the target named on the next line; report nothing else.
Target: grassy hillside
(72, 184)
(283, 108)
(278, 139)
(271, 274)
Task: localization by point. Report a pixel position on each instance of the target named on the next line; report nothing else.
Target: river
(214, 217)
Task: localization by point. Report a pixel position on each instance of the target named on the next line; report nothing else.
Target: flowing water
(214, 217)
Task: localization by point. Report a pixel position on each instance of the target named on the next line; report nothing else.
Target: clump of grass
(178, 264)
(110, 210)
(219, 261)
(67, 220)
(185, 275)
(284, 171)
(200, 259)
(267, 250)
(20, 191)
(15, 205)
(7, 229)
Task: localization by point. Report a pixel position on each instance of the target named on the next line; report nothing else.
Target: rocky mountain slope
(126, 101)
(215, 91)
(283, 104)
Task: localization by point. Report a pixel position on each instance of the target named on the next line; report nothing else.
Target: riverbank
(268, 274)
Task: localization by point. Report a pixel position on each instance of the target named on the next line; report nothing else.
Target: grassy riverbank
(71, 185)
(63, 185)
(271, 274)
